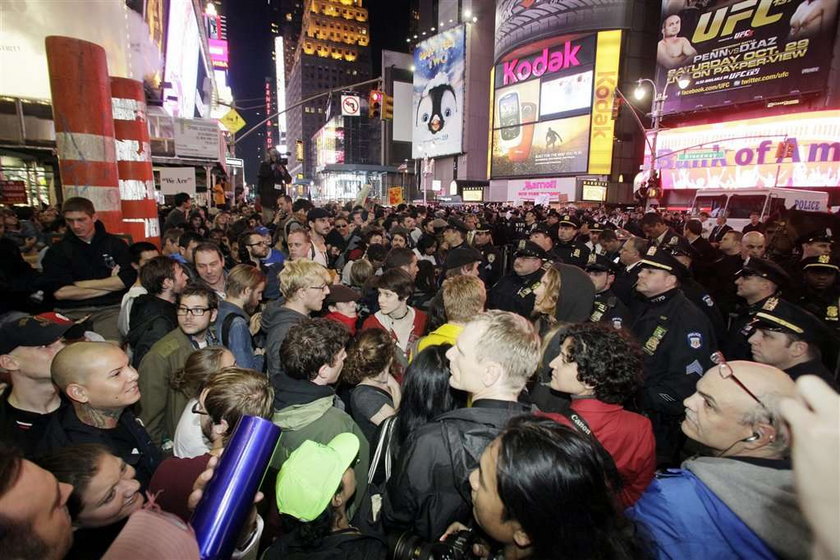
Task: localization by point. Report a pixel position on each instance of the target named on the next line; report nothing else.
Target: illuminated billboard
(438, 100)
(795, 150)
(744, 51)
(552, 104)
(218, 53)
(181, 69)
(280, 90)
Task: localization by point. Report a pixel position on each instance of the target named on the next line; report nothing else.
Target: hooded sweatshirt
(306, 411)
(577, 293)
(276, 322)
(724, 508)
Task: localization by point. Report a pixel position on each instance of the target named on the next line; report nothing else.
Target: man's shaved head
(75, 362)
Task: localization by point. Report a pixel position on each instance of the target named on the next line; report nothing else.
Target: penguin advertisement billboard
(438, 101)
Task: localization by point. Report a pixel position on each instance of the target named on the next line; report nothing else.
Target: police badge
(695, 340)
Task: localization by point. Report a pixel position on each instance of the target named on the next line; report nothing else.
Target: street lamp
(683, 81)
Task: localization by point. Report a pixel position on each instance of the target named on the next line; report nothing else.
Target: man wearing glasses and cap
(677, 339)
(740, 501)
(791, 339)
(568, 248)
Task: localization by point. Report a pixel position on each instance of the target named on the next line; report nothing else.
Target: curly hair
(607, 359)
(369, 354)
(311, 344)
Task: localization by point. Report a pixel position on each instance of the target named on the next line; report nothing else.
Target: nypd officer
(758, 281)
(606, 308)
(568, 248)
(490, 269)
(515, 291)
(677, 342)
(820, 294)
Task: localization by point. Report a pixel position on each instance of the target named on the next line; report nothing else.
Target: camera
(456, 546)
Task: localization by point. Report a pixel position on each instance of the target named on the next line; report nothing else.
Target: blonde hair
(548, 303)
(243, 276)
(511, 341)
(299, 275)
(463, 298)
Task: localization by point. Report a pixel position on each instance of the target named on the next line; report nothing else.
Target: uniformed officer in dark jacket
(491, 268)
(698, 294)
(515, 291)
(756, 282)
(606, 308)
(820, 294)
(568, 248)
(541, 235)
(659, 234)
(677, 341)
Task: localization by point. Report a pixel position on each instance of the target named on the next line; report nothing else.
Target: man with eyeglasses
(160, 405)
(791, 339)
(305, 285)
(739, 502)
(255, 250)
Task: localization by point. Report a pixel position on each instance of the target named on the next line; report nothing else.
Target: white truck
(738, 204)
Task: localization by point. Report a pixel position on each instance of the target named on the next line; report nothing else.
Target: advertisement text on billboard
(438, 104)
(744, 51)
(796, 150)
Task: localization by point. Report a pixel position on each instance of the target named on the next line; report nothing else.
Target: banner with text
(737, 52)
(174, 180)
(796, 150)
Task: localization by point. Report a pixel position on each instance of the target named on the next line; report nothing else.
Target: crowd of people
(493, 381)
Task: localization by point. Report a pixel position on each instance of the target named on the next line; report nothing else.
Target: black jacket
(515, 293)
(429, 488)
(71, 260)
(572, 252)
(610, 310)
(65, 429)
(151, 319)
(347, 544)
(271, 174)
(718, 232)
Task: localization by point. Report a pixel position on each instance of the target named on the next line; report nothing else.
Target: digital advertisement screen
(550, 113)
(438, 101)
(181, 69)
(746, 153)
(736, 52)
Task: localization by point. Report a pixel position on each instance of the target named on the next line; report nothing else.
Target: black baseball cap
(31, 331)
(462, 256)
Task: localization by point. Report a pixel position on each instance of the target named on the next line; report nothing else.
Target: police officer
(659, 234)
(820, 293)
(756, 282)
(491, 267)
(541, 235)
(515, 291)
(677, 341)
(791, 339)
(606, 308)
(697, 293)
(568, 248)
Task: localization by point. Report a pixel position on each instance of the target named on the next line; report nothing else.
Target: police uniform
(825, 303)
(736, 344)
(490, 270)
(516, 293)
(572, 252)
(607, 307)
(677, 341)
(672, 239)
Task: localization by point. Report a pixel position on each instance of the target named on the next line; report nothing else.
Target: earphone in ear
(753, 437)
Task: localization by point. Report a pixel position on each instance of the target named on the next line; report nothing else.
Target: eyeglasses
(196, 409)
(322, 287)
(258, 243)
(194, 311)
(725, 371)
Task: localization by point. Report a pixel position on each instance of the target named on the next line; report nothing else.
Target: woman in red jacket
(601, 368)
(404, 323)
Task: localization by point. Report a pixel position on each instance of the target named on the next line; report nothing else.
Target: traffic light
(387, 107)
(375, 104)
(616, 107)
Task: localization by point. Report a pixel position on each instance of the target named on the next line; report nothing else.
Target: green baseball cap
(309, 478)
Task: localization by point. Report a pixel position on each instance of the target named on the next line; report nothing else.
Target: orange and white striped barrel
(134, 160)
(84, 127)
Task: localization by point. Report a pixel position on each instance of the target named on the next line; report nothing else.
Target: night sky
(251, 45)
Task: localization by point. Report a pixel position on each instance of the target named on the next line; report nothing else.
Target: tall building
(332, 51)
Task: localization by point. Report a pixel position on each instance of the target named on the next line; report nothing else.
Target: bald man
(739, 502)
(101, 385)
(753, 245)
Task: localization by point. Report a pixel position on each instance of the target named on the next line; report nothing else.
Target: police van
(738, 204)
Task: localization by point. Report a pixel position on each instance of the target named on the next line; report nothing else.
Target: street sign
(395, 196)
(350, 106)
(232, 121)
